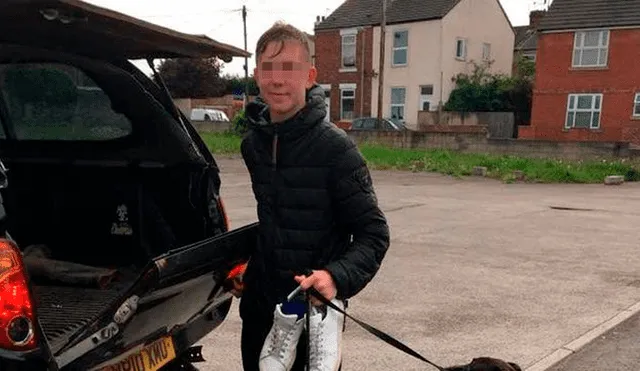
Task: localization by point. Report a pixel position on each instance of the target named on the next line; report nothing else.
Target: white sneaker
(279, 349)
(325, 332)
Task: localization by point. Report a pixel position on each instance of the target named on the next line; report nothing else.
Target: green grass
(462, 164)
(223, 143)
(498, 167)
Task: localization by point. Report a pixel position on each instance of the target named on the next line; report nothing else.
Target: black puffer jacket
(314, 192)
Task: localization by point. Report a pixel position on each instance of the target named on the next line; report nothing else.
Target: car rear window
(58, 102)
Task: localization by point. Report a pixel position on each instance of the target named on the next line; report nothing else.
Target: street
(476, 268)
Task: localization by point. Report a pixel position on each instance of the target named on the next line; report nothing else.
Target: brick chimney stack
(535, 17)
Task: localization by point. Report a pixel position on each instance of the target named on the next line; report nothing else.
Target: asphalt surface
(616, 350)
(478, 268)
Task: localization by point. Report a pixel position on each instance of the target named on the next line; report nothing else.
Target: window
(397, 103)
(486, 51)
(58, 102)
(636, 105)
(348, 51)
(583, 111)
(400, 45)
(461, 48)
(426, 93)
(347, 102)
(591, 48)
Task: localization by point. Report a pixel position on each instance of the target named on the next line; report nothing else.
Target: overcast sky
(222, 20)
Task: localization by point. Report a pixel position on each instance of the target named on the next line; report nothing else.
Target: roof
(73, 25)
(354, 13)
(576, 14)
(526, 38)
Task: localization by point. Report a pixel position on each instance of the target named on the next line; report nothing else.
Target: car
(208, 114)
(372, 123)
(115, 247)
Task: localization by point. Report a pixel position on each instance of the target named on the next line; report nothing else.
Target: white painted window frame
(636, 106)
(486, 52)
(593, 109)
(403, 105)
(348, 33)
(395, 49)
(343, 88)
(578, 46)
(464, 49)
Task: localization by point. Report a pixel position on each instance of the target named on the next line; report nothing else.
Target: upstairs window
(348, 51)
(461, 49)
(400, 46)
(591, 48)
(636, 105)
(486, 52)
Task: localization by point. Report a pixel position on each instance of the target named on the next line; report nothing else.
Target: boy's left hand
(322, 282)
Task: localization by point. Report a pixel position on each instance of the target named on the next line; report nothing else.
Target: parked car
(372, 123)
(208, 114)
(115, 248)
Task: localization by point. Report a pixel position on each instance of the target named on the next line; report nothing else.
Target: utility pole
(382, 52)
(246, 60)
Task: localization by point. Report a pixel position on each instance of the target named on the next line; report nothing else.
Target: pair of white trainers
(325, 339)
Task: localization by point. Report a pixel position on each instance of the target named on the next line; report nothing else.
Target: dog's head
(486, 364)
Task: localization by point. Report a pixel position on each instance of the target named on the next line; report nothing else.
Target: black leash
(379, 334)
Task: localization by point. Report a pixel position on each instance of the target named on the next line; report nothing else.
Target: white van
(208, 114)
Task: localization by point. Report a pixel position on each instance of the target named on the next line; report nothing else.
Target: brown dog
(486, 364)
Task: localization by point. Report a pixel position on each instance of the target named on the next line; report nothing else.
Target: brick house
(587, 85)
(343, 57)
(426, 45)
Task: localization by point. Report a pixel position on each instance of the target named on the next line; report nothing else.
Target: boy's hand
(322, 282)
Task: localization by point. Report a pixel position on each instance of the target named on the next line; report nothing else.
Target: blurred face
(284, 78)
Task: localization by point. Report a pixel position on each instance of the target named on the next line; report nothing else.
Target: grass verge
(222, 143)
(498, 166)
(462, 164)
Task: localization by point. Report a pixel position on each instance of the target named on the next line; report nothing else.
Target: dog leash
(378, 333)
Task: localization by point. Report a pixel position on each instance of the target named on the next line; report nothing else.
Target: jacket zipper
(274, 151)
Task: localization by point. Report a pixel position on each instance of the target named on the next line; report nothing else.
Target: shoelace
(278, 341)
(315, 355)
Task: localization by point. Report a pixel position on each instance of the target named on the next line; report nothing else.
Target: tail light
(17, 318)
(234, 280)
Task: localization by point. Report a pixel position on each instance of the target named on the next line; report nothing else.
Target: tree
(236, 85)
(193, 78)
(525, 68)
(482, 91)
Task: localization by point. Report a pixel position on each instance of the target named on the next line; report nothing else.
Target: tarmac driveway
(476, 268)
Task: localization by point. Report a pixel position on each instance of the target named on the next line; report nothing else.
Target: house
(526, 39)
(312, 47)
(587, 85)
(426, 45)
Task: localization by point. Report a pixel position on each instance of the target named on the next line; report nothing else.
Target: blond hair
(281, 32)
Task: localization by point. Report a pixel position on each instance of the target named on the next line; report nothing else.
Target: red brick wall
(328, 62)
(555, 79)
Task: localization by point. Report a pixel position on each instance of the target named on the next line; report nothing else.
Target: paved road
(616, 350)
(477, 267)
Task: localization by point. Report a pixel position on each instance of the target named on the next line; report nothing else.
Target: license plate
(150, 358)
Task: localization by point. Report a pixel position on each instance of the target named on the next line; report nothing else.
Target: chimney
(535, 17)
(318, 20)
